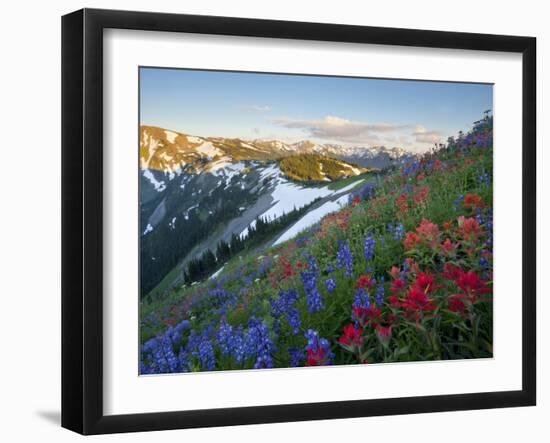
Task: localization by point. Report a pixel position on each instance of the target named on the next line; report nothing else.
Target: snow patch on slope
(287, 196)
(171, 136)
(228, 170)
(311, 218)
(244, 233)
(209, 150)
(159, 185)
(215, 274)
(219, 164)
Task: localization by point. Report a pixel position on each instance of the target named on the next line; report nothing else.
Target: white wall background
(30, 219)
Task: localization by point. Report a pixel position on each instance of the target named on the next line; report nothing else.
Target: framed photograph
(268, 221)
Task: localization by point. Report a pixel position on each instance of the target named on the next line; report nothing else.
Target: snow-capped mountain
(378, 157)
(171, 152)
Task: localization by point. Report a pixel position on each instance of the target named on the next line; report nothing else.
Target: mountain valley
(198, 195)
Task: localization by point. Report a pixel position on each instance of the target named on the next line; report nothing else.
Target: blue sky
(343, 110)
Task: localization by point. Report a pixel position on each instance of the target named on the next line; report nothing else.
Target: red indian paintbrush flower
(447, 226)
(401, 204)
(411, 241)
(469, 228)
(394, 301)
(384, 334)
(395, 272)
(418, 301)
(397, 286)
(315, 358)
(288, 272)
(473, 201)
(425, 282)
(428, 232)
(472, 285)
(365, 316)
(456, 303)
(364, 281)
(422, 195)
(451, 272)
(448, 247)
(352, 338)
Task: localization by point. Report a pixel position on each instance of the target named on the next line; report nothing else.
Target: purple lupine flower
(366, 193)
(235, 344)
(297, 357)
(330, 284)
(225, 338)
(397, 231)
(159, 351)
(411, 168)
(293, 317)
(312, 264)
(284, 306)
(183, 358)
(486, 221)
(205, 354)
(258, 344)
(483, 262)
(344, 259)
(314, 298)
(368, 247)
(361, 299)
(179, 329)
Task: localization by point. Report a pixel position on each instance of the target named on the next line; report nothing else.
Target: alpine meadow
(301, 220)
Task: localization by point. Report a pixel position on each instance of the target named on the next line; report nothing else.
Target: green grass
(340, 184)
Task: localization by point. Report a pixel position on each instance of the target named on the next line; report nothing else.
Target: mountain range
(171, 152)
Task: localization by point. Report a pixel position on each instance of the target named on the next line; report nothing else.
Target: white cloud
(337, 128)
(422, 135)
(349, 132)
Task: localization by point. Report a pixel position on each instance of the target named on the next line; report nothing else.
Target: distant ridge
(172, 152)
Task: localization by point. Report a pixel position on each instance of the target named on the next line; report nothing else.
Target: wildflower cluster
(402, 273)
(367, 192)
(318, 350)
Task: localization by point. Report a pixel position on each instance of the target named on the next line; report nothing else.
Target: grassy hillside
(317, 168)
(403, 273)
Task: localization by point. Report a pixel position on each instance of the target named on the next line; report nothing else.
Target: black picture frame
(82, 219)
